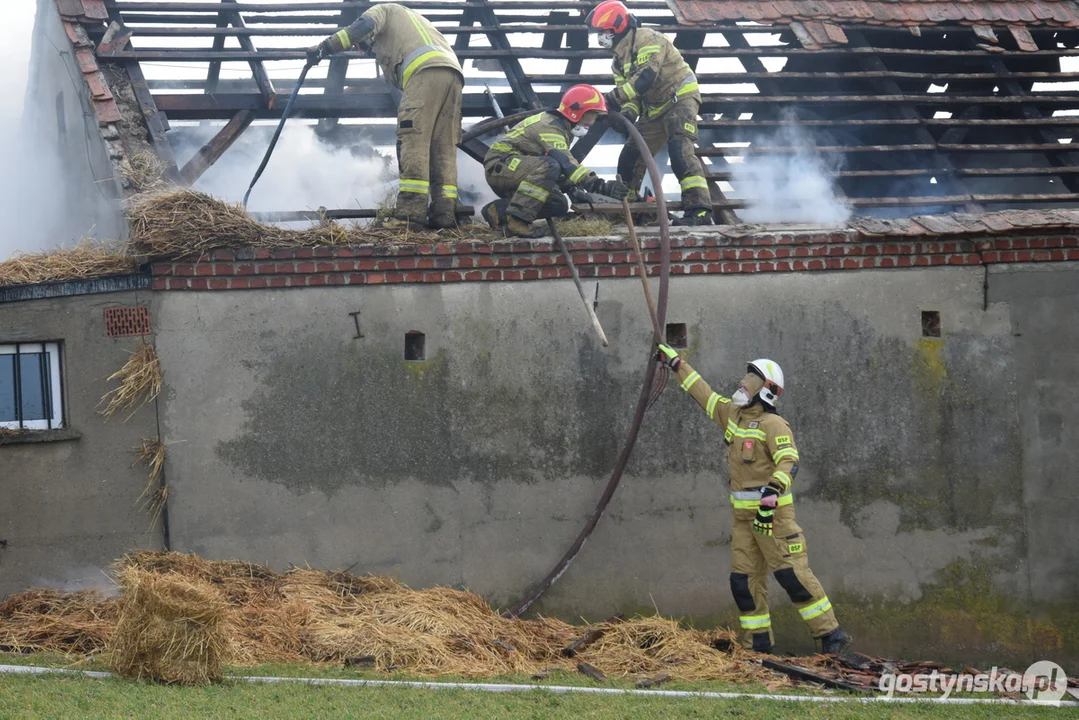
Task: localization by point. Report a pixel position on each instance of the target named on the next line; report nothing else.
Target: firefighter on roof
(657, 90)
(418, 60)
(763, 461)
(530, 166)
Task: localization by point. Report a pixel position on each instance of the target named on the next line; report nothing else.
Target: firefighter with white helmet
(763, 461)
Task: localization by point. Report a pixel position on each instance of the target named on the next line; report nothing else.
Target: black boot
(494, 213)
(835, 642)
(762, 643)
(696, 216)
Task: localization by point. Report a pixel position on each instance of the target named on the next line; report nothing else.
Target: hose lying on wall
(645, 398)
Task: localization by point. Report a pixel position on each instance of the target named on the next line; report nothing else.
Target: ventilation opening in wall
(677, 336)
(415, 345)
(930, 323)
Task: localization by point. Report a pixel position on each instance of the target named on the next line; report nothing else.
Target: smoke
(305, 172)
(789, 186)
(27, 164)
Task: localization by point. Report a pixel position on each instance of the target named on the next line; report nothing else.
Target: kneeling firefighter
(656, 89)
(530, 166)
(417, 59)
(763, 462)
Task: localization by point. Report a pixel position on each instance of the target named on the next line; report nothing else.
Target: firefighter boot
(694, 216)
(494, 213)
(835, 642)
(516, 227)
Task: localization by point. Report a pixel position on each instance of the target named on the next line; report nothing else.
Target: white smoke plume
(789, 187)
(305, 173)
(27, 165)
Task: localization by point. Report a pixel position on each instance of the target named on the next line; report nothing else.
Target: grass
(80, 697)
(24, 696)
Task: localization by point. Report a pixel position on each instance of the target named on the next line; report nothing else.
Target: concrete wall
(928, 464)
(68, 507)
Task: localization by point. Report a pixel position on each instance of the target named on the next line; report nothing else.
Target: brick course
(521, 260)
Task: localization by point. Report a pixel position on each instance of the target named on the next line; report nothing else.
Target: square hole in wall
(415, 345)
(677, 335)
(930, 323)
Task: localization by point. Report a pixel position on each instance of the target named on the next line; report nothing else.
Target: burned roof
(909, 108)
(895, 13)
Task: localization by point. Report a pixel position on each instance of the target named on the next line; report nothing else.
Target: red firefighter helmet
(580, 99)
(608, 15)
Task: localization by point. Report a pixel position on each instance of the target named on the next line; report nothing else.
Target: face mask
(747, 389)
(579, 131)
(606, 39)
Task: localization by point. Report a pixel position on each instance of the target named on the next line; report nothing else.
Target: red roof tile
(876, 12)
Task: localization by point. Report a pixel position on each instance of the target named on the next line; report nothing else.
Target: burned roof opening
(913, 108)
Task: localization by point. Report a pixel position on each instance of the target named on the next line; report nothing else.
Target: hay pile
(185, 222)
(77, 623)
(85, 260)
(171, 628)
(314, 616)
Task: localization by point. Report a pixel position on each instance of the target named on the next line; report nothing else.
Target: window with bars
(31, 394)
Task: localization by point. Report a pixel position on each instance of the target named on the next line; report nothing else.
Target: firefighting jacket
(538, 135)
(403, 40)
(650, 74)
(760, 444)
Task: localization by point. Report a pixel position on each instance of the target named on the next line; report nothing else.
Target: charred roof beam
(939, 160)
(1012, 87)
(511, 66)
(335, 76)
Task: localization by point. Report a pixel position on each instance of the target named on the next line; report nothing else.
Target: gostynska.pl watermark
(1043, 682)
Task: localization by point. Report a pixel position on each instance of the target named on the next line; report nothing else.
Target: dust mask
(579, 131)
(747, 390)
(606, 39)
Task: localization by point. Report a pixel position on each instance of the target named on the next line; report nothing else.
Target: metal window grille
(127, 321)
(25, 383)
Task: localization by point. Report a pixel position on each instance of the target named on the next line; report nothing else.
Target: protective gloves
(610, 188)
(762, 524)
(316, 53)
(668, 356)
(629, 113)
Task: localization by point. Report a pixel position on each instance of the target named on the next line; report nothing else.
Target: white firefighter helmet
(773, 379)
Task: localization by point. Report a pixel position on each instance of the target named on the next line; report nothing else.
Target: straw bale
(170, 629)
(140, 378)
(85, 260)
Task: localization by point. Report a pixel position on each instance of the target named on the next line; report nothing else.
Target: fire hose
(648, 391)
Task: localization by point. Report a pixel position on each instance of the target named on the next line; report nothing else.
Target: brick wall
(257, 268)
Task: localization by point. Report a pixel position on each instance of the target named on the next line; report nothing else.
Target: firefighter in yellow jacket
(763, 461)
(418, 60)
(655, 88)
(530, 166)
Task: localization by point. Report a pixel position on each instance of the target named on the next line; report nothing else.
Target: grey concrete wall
(68, 508)
(920, 486)
(70, 183)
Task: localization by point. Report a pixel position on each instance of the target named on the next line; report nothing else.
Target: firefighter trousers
(428, 130)
(677, 129)
(530, 183)
(784, 554)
